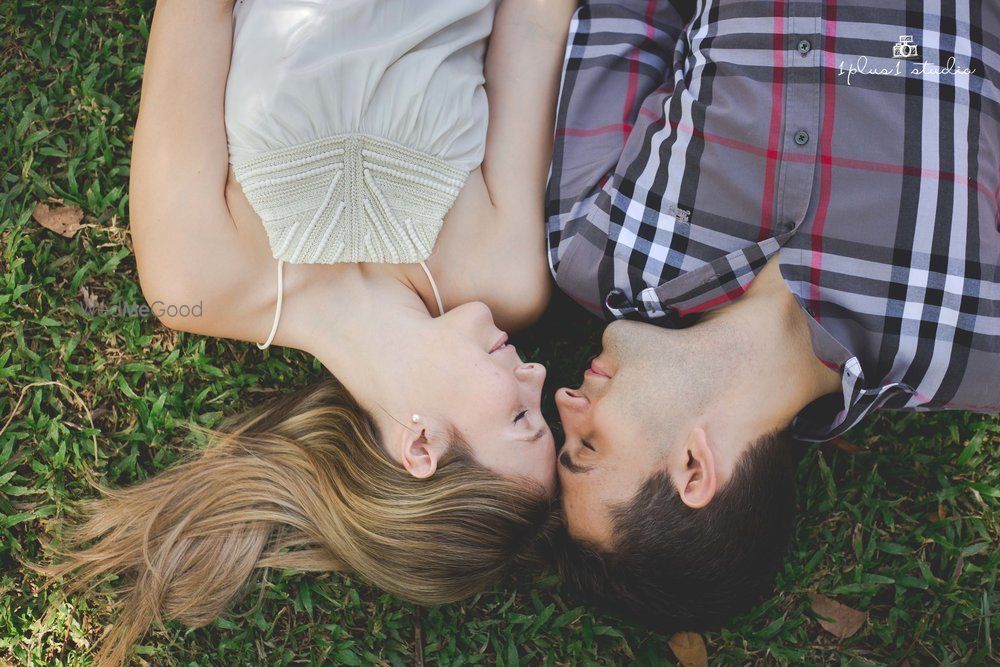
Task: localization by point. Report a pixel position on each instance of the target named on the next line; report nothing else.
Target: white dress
(353, 124)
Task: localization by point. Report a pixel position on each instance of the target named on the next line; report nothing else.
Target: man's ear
(695, 474)
(418, 454)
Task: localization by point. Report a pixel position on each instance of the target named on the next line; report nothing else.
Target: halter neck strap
(277, 311)
(437, 294)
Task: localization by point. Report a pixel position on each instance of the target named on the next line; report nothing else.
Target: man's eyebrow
(536, 436)
(566, 462)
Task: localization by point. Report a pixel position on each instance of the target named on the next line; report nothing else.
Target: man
(812, 225)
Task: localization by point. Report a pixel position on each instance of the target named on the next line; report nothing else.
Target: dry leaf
(940, 515)
(959, 566)
(64, 220)
(90, 300)
(838, 619)
(689, 648)
(846, 446)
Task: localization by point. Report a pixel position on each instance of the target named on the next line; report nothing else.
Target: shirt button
(802, 137)
(804, 46)
(616, 299)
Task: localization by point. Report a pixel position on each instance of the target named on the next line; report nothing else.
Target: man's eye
(588, 445)
(520, 416)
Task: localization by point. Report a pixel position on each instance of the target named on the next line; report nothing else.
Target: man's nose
(573, 401)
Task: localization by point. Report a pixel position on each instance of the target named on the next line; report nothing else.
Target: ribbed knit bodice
(353, 125)
(351, 198)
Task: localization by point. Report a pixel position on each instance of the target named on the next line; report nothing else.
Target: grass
(905, 530)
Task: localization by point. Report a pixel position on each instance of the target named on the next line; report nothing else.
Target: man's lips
(597, 369)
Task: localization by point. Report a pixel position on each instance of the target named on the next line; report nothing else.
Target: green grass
(906, 530)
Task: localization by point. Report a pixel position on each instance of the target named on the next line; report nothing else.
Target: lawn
(899, 523)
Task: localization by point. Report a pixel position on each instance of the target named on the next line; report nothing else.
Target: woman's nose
(530, 372)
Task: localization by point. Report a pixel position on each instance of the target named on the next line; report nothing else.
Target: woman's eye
(520, 416)
(588, 445)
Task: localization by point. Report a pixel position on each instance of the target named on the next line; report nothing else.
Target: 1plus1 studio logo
(903, 51)
(904, 48)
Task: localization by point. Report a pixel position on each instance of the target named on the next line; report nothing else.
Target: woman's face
(475, 380)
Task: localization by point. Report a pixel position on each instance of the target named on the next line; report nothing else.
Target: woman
(371, 220)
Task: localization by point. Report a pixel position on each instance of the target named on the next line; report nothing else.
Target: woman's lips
(500, 343)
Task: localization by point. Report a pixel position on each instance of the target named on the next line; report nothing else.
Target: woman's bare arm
(188, 247)
(523, 67)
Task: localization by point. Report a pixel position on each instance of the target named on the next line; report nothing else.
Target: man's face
(619, 425)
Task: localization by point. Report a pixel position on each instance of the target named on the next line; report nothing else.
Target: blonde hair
(300, 483)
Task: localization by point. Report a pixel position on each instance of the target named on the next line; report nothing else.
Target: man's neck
(769, 332)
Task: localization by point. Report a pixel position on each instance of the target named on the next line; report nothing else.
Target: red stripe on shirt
(628, 114)
(592, 131)
(712, 303)
(791, 156)
(826, 148)
(829, 364)
(774, 137)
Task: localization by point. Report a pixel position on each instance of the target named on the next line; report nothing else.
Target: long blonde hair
(301, 483)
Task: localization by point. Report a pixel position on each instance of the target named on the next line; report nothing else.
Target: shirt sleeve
(618, 53)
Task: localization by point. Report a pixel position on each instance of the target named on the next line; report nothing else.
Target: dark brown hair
(677, 568)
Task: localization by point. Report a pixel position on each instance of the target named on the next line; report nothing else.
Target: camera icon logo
(904, 48)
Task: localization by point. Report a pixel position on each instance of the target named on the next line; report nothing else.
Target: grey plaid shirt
(860, 138)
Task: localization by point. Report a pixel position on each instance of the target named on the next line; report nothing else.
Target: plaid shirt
(694, 143)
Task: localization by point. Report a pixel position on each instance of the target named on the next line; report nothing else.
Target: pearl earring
(415, 418)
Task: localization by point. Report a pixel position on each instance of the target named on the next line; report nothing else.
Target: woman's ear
(419, 455)
(696, 475)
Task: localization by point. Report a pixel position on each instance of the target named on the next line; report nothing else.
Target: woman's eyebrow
(566, 462)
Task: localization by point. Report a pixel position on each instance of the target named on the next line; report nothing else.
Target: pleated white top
(353, 124)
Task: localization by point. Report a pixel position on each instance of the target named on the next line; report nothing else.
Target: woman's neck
(359, 320)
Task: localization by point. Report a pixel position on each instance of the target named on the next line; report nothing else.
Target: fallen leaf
(689, 649)
(846, 446)
(90, 300)
(838, 619)
(939, 515)
(64, 220)
(959, 567)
